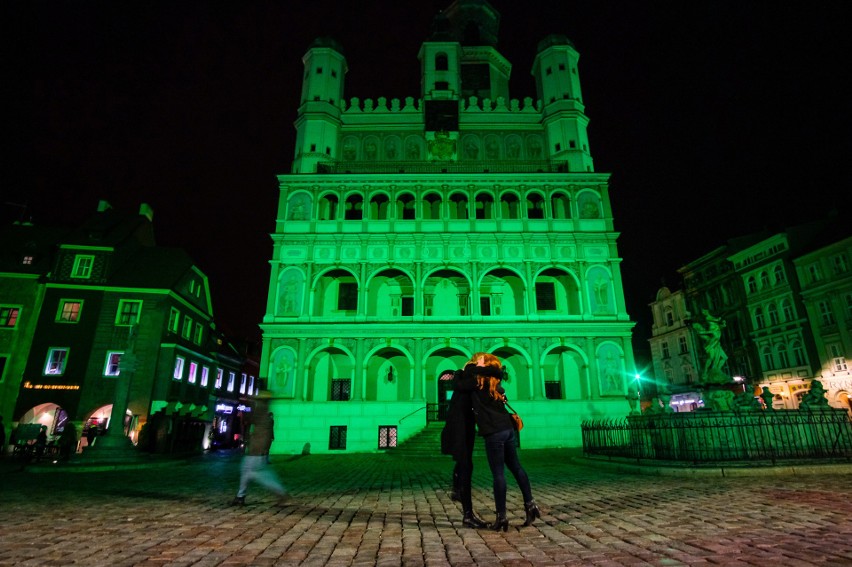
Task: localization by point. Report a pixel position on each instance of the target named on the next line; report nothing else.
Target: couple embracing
(479, 402)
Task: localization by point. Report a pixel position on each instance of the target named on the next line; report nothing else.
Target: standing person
(258, 435)
(41, 442)
(67, 441)
(495, 424)
(457, 440)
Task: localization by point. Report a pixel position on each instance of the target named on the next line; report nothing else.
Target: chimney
(146, 211)
(103, 206)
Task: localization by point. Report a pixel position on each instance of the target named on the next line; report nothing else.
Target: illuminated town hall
(412, 233)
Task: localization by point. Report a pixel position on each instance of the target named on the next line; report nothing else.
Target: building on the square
(413, 233)
(117, 309)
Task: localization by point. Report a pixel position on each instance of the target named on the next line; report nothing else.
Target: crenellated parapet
(412, 105)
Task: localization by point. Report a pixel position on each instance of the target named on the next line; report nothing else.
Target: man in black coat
(457, 440)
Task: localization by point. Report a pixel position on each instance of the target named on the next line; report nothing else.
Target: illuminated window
(9, 316)
(178, 373)
(837, 358)
(56, 359)
(243, 383)
(219, 373)
(113, 363)
(199, 331)
(387, 436)
(69, 310)
(231, 377)
(174, 320)
(82, 266)
(187, 327)
(251, 389)
(337, 437)
(27, 260)
(193, 373)
(205, 376)
(129, 311)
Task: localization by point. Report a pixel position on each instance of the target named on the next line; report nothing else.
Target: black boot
(501, 523)
(471, 521)
(532, 511)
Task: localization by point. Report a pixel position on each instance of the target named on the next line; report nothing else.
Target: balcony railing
(526, 166)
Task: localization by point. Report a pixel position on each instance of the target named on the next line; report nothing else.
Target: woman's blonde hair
(488, 359)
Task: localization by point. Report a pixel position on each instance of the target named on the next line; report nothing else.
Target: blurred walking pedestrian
(258, 434)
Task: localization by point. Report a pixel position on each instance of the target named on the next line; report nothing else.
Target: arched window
(535, 206)
(441, 62)
(560, 206)
(751, 284)
(458, 206)
(798, 353)
(781, 356)
(484, 206)
(432, 207)
(787, 309)
(669, 317)
(328, 208)
(405, 206)
(780, 276)
(509, 206)
(773, 314)
(764, 280)
(379, 207)
(354, 209)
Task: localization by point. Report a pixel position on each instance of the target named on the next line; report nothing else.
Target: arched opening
(510, 206)
(432, 207)
(484, 206)
(379, 207)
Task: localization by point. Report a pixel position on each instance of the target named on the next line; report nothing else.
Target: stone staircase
(427, 443)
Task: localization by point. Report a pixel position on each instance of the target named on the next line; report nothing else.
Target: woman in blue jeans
(495, 426)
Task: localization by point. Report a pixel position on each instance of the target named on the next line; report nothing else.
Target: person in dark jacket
(483, 379)
(259, 435)
(457, 440)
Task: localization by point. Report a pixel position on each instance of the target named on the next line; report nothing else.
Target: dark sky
(715, 120)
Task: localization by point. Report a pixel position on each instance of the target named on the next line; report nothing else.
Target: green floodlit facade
(411, 234)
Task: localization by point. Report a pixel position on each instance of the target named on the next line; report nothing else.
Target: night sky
(715, 120)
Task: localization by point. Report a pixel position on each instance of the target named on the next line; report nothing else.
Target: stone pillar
(538, 379)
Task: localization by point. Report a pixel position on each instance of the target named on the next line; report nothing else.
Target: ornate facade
(412, 234)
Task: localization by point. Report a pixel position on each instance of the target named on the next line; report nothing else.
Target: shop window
(243, 382)
(219, 374)
(205, 376)
(232, 377)
(193, 373)
(178, 373)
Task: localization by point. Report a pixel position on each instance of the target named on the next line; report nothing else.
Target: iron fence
(723, 436)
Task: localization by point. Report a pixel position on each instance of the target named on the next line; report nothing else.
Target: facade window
(687, 373)
(545, 296)
(665, 346)
(82, 266)
(186, 332)
(205, 376)
(758, 318)
(243, 383)
(232, 376)
(199, 332)
(839, 264)
(780, 276)
(251, 389)
(773, 314)
(27, 260)
(387, 436)
(814, 272)
(783, 359)
(69, 310)
(825, 314)
(441, 62)
(751, 284)
(553, 389)
(787, 310)
(838, 360)
(337, 437)
(764, 280)
(3, 360)
(681, 343)
(669, 317)
(219, 374)
(112, 367)
(178, 373)
(347, 297)
(407, 306)
(9, 316)
(174, 320)
(340, 390)
(129, 311)
(193, 373)
(798, 353)
(56, 360)
(766, 353)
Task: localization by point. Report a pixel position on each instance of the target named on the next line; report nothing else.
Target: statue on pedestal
(711, 336)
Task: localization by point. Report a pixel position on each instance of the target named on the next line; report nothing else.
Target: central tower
(411, 234)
